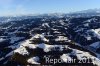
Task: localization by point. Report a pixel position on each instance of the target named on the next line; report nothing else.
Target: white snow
(80, 54)
(33, 60)
(88, 38)
(48, 48)
(61, 38)
(62, 22)
(45, 24)
(86, 25)
(27, 44)
(40, 36)
(1, 39)
(21, 50)
(14, 46)
(96, 61)
(2, 58)
(54, 29)
(57, 32)
(45, 47)
(96, 32)
(65, 58)
(90, 20)
(14, 39)
(43, 38)
(95, 45)
(9, 54)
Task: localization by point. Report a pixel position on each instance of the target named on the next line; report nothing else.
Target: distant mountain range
(28, 40)
(83, 13)
(89, 11)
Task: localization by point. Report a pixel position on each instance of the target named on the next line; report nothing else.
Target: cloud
(14, 7)
(5, 2)
(18, 10)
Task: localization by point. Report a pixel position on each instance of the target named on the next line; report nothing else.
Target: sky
(23, 7)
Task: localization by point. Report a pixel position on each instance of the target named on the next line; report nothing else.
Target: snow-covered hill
(34, 40)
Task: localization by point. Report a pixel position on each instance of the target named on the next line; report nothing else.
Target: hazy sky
(11, 7)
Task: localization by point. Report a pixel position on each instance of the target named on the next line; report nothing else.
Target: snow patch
(21, 50)
(33, 60)
(95, 45)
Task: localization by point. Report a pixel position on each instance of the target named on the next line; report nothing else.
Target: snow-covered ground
(51, 36)
(96, 32)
